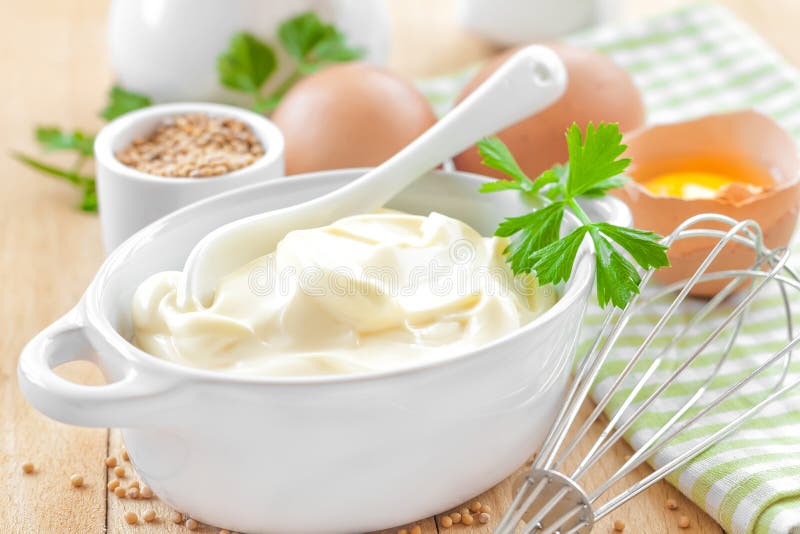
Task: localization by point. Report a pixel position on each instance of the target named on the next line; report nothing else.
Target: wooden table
(55, 70)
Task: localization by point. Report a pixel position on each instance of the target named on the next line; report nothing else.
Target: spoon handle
(528, 82)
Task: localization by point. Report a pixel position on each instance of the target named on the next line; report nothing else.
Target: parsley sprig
(80, 143)
(248, 63)
(536, 244)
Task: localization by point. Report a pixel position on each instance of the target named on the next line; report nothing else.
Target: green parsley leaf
(496, 155)
(594, 167)
(52, 139)
(535, 230)
(553, 263)
(643, 246)
(616, 278)
(314, 43)
(593, 160)
(246, 64)
(121, 102)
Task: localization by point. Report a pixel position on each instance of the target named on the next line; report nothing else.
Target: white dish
(348, 453)
(130, 199)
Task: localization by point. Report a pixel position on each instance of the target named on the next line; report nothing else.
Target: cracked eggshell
(744, 143)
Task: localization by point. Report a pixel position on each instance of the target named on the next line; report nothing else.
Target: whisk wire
(556, 503)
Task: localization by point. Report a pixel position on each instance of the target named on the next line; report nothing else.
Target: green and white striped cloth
(689, 63)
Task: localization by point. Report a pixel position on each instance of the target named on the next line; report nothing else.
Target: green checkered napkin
(689, 63)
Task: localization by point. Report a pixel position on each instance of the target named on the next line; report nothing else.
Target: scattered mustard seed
(145, 492)
(134, 484)
(416, 529)
(120, 492)
(111, 461)
(113, 484)
(464, 511)
(446, 522)
(176, 517)
(131, 518)
(683, 522)
(466, 519)
(483, 518)
(619, 525)
(76, 481)
(456, 517)
(149, 516)
(475, 507)
(191, 524)
(133, 493)
(223, 531)
(27, 468)
(124, 454)
(402, 531)
(119, 471)
(671, 504)
(486, 508)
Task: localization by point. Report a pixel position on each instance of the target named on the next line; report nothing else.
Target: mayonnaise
(367, 293)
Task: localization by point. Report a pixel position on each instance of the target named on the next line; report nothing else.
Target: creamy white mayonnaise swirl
(367, 293)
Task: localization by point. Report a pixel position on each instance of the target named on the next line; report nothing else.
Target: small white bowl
(130, 199)
(322, 454)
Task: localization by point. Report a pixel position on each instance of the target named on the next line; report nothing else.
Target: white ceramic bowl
(348, 453)
(130, 199)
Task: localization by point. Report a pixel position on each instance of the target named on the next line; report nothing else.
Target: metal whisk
(551, 499)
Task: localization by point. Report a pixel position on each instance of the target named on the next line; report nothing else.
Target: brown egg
(597, 90)
(349, 115)
(743, 145)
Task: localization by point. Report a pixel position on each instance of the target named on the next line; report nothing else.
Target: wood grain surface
(55, 71)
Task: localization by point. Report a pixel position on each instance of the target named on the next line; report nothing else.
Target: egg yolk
(689, 184)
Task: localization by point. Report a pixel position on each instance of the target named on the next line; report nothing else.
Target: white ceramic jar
(130, 199)
(167, 49)
(515, 22)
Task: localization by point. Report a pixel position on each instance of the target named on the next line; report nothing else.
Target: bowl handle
(121, 403)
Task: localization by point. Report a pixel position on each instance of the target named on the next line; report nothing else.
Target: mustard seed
(191, 524)
(119, 471)
(124, 454)
(464, 511)
(131, 518)
(149, 516)
(456, 517)
(76, 481)
(486, 508)
(483, 518)
(466, 519)
(145, 492)
(671, 504)
(134, 484)
(683, 522)
(27, 468)
(402, 531)
(223, 531)
(120, 492)
(176, 517)
(133, 493)
(446, 522)
(113, 484)
(619, 525)
(194, 145)
(416, 529)
(111, 461)
(475, 507)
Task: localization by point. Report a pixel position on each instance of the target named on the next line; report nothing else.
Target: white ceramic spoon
(529, 81)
